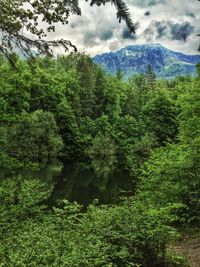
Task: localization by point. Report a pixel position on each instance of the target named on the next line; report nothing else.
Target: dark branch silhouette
(20, 28)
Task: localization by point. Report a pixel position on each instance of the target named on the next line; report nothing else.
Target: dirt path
(191, 249)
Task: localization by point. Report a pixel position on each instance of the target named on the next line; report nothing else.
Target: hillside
(135, 58)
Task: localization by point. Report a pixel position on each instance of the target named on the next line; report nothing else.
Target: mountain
(134, 59)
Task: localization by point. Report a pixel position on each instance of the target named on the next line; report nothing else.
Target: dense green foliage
(68, 110)
(103, 236)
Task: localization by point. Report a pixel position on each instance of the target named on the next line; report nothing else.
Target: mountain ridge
(134, 59)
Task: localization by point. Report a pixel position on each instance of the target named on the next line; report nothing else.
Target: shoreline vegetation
(69, 110)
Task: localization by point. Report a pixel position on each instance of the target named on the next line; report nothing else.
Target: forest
(66, 110)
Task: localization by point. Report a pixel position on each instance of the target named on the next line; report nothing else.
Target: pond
(75, 182)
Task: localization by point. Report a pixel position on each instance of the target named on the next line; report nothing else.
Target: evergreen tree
(119, 74)
(150, 76)
(198, 69)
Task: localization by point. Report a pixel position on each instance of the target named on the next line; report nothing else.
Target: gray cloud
(169, 29)
(148, 34)
(181, 31)
(127, 35)
(73, 25)
(161, 28)
(144, 3)
(147, 13)
(89, 37)
(190, 14)
(106, 35)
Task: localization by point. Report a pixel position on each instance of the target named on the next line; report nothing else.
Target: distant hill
(134, 59)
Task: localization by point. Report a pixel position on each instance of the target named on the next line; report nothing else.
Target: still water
(75, 182)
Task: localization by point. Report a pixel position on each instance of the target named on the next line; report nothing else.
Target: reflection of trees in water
(80, 183)
(103, 155)
(47, 176)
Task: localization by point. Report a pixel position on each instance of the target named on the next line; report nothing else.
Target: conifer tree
(150, 76)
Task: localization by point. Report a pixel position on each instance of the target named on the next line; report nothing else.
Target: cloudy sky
(172, 23)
